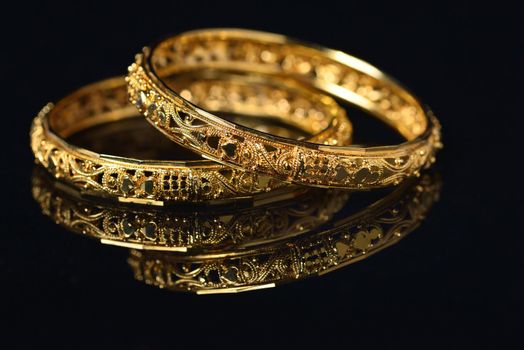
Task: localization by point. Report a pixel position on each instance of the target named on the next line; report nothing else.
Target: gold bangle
(299, 162)
(158, 182)
(357, 237)
(223, 230)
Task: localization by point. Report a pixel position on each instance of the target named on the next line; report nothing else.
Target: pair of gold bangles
(211, 92)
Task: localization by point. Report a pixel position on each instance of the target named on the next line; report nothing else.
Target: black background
(456, 281)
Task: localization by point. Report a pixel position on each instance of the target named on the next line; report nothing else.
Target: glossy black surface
(456, 281)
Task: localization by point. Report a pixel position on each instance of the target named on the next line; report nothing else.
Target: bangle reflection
(229, 248)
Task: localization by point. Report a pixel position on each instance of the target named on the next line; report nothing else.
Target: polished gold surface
(159, 181)
(269, 218)
(322, 164)
(349, 240)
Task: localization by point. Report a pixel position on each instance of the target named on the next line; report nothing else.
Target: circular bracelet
(352, 239)
(321, 164)
(159, 181)
(271, 217)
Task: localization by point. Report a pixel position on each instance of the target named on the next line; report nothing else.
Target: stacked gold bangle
(263, 156)
(299, 162)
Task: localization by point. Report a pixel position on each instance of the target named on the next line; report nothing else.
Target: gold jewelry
(299, 162)
(352, 239)
(155, 182)
(221, 231)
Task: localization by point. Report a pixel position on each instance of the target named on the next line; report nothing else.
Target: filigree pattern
(358, 237)
(301, 163)
(185, 230)
(154, 181)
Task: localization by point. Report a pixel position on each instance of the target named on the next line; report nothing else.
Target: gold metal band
(220, 231)
(158, 181)
(352, 239)
(323, 164)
